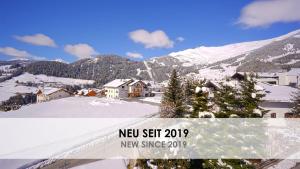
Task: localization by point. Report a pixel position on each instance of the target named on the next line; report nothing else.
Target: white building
(117, 88)
(278, 99)
(138, 88)
(48, 94)
(279, 89)
(123, 88)
(288, 78)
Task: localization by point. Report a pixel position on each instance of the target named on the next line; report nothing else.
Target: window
(288, 115)
(273, 115)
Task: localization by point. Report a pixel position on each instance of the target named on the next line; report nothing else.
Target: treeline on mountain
(15, 73)
(102, 69)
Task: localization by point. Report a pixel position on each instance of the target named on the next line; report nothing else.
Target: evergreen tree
(250, 98)
(200, 99)
(296, 104)
(172, 105)
(188, 91)
(227, 100)
(231, 100)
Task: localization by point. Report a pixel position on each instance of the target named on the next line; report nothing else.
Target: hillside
(101, 69)
(29, 83)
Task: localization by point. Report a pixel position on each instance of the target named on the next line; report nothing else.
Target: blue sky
(72, 29)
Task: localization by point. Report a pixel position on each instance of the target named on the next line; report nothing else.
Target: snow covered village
(150, 84)
(278, 88)
(224, 92)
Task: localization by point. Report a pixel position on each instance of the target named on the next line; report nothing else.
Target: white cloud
(10, 51)
(80, 50)
(134, 55)
(264, 13)
(180, 39)
(19, 54)
(156, 39)
(37, 39)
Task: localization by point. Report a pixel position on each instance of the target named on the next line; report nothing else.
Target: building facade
(51, 94)
(117, 89)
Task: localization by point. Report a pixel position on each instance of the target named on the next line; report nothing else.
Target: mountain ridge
(218, 53)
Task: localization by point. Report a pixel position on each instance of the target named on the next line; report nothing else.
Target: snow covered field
(10, 87)
(84, 107)
(155, 99)
(27, 77)
(81, 107)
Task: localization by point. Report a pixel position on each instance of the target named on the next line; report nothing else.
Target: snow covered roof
(260, 74)
(48, 91)
(294, 72)
(117, 82)
(278, 93)
(83, 91)
(86, 91)
(135, 81)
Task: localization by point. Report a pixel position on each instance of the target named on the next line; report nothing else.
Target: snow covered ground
(81, 107)
(10, 87)
(84, 107)
(155, 99)
(103, 164)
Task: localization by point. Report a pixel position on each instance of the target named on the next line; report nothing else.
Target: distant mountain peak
(207, 55)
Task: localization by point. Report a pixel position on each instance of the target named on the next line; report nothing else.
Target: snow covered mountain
(281, 52)
(209, 55)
